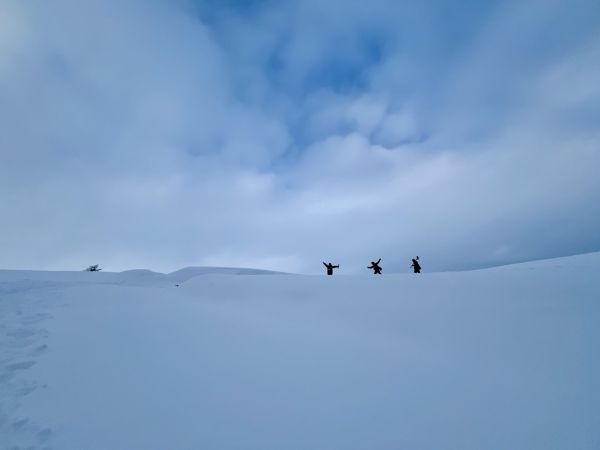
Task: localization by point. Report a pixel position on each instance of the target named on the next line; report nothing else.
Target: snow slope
(503, 358)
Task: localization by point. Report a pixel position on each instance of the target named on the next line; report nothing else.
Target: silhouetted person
(330, 268)
(415, 265)
(375, 266)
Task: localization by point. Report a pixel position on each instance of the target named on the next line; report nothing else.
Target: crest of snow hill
(144, 276)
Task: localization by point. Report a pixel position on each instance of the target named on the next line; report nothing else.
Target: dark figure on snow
(330, 268)
(415, 265)
(375, 266)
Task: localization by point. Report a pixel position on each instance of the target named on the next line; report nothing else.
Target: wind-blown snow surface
(504, 358)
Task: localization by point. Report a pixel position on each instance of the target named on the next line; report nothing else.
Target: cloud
(163, 134)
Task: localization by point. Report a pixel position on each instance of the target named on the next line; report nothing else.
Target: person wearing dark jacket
(375, 266)
(330, 268)
(415, 265)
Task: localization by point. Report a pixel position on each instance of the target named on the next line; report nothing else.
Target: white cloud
(135, 135)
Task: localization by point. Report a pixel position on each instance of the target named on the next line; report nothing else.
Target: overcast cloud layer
(159, 133)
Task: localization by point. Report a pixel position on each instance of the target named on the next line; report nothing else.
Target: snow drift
(503, 358)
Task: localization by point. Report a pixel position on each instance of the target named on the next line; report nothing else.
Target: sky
(161, 134)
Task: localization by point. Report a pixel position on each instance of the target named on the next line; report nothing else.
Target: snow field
(492, 359)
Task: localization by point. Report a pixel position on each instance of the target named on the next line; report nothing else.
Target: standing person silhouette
(375, 266)
(415, 265)
(330, 268)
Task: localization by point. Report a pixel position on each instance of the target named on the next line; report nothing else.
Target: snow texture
(495, 359)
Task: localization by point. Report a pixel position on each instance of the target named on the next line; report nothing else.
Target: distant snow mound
(587, 262)
(139, 275)
(187, 273)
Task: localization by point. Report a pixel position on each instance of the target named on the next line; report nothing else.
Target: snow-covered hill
(503, 358)
(131, 277)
